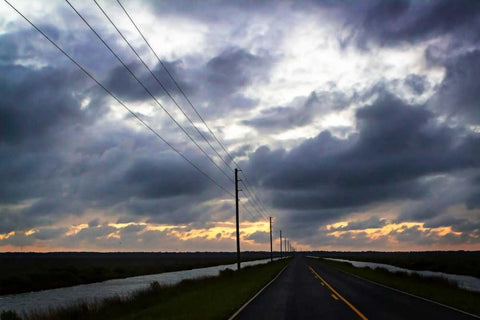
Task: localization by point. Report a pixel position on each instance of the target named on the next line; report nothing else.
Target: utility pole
(281, 244)
(236, 214)
(285, 246)
(271, 245)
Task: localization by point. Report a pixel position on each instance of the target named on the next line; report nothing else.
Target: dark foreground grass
(433, 288)
(207, 298)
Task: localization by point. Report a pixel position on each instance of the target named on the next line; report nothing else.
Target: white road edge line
(256, 295)
(408, 294)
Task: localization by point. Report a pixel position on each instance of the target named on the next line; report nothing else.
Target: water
(464, 282)
(42, 300)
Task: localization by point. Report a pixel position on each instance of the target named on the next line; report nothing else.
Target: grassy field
(24, 272)
(436, 289)
(208, 298)
(456, 262)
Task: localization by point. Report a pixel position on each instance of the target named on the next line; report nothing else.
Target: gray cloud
(301, 112)
(459, 94)
(259, 237)
(401, 21)
(372, 222)
(218, 82)
(397, 146)
(418, 84)
(60, 155)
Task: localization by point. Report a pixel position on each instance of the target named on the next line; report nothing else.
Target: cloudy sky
(357, 125)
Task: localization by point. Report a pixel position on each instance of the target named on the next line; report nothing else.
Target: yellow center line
(338, 295)
(334, 297)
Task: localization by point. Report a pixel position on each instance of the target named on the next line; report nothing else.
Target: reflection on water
(42, 300)
(464, 282)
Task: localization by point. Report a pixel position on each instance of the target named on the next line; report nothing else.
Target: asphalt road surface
(311, 290)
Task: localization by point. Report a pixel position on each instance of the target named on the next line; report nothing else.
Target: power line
(253, 194)
(119, 101)
(159, 82)
(249, 212)
(258, 208)
(258, 216)
(186, 97)
(149, 92)
(174, 81)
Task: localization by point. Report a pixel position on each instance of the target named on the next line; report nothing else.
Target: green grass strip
(207, 298)
(433, 288)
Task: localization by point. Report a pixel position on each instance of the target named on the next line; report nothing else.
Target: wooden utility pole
(281, 244)
(271, 244)
(285, 247)
(236, 214)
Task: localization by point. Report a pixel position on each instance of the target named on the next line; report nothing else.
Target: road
(311, 290)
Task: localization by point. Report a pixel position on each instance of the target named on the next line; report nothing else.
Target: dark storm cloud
(446, 192)
(259, 237)
(232, 69)
(416, 235)
(459, 92)
(418, 84)
(218, 83)
(301, 112)
(209, 11)
(402, 21)
(395, 23)
(132, 229)
(125, 86)
(56, 161)
(93, 223)
(344, 196)
(94, 232)
(397, 145)
(221, 80)
(60, 157)
(154, 180)
(18, 240)
(457, 224)
(29, 109)
(49, 233)
(372, 222)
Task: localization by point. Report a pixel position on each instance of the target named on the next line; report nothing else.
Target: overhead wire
(160, 83)
(108, 91)
(253, 202)
(149, 92)
(260, 208)
(256, 217)
(188, 100)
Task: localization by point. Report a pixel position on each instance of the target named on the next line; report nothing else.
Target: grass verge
(436, 289)
(207, 298)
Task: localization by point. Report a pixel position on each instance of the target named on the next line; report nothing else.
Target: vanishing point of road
(310, 290)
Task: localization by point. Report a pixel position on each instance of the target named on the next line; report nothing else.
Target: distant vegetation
(207, 298)
(456, 262)
(24, 272)
(433, 288)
